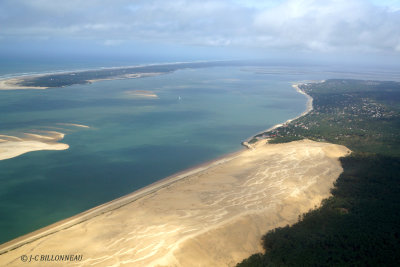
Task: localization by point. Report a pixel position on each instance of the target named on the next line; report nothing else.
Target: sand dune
(213, 216)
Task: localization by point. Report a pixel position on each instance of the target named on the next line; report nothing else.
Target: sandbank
(73, 124)
(13, 146)
(12, 149)
(213, 215)
(140, 94)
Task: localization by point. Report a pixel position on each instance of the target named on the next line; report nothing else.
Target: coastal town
(346, 111)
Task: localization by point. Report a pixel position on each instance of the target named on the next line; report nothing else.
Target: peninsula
(51, 80)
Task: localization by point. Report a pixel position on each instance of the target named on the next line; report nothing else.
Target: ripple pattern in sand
(151, 230)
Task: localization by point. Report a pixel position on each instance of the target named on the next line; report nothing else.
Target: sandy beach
(213, 215)
(13, 84)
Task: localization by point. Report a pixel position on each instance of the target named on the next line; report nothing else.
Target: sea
(198, 115)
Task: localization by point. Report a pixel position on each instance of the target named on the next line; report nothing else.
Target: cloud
(113, 42)
(330, 25)
(306, 25)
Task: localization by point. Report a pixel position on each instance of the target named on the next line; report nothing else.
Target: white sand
(13, 149)
(12, 84)
(12, 146)
(212, 216)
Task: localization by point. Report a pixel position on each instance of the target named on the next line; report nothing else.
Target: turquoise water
(199, 115)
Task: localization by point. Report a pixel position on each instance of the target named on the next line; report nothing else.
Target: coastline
(309, 108)
(12, 83)
(114, 204)
(124, 200)
(232, 165)
(194, 212)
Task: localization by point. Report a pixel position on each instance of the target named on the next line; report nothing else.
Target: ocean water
(200, 114)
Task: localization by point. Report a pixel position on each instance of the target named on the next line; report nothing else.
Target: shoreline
(183, 218)
(11, 83)
(114, 204)
(312, 193)
(309, 108)
(139, 193)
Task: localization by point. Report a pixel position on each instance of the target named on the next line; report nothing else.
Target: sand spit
(214, 215)
(12, 146)
(13, 84)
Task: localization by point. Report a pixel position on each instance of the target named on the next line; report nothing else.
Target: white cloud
(113, 42)
(392, 5)
(308, 25)
(330, 25)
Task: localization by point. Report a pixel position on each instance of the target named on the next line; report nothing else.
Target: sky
(341, 30)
